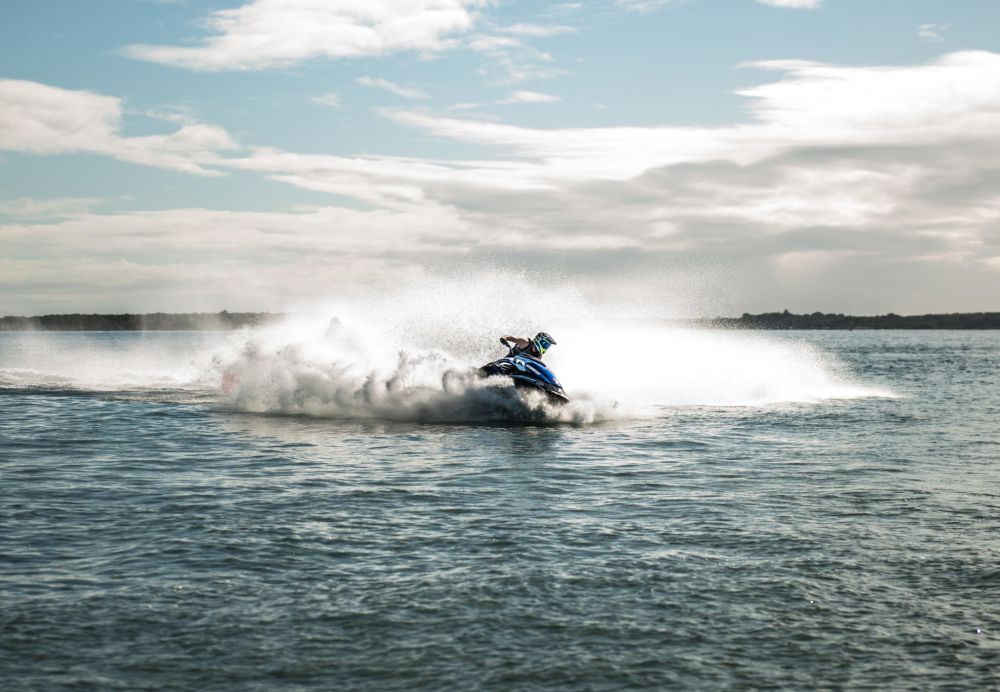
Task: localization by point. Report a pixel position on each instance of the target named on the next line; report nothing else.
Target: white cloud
(932, 33)
(879, 178)
(537, 30)
(530, 97)
(795, 4)
(391, 182)
(41, 119)
(510, 59)
(512, 62)
(31, 207)
(515, 97)
(491, 44)
(329, 99)
(181, 115)
(208, 235)
(264, 34)
(392, 87)
(840, 167)
(645, 6)
(955, 99)
(201, 259)
(951, 101)
(45, 120)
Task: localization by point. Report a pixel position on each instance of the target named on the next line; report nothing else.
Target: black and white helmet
(542, 342)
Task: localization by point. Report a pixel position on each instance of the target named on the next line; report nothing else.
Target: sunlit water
(273, 510)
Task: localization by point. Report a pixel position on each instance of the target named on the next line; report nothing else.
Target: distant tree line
(819, 320)
(201, 321)
(159, 321)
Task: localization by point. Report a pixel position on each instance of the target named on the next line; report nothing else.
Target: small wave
(27, 378)
(105, 362)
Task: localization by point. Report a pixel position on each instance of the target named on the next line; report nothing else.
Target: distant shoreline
(151, 322)
(224, 321)
(819, 320)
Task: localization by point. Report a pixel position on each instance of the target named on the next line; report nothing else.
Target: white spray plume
(412, 355)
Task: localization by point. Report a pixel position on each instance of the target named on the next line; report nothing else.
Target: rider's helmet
(542, 342)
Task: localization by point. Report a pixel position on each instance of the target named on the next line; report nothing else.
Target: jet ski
(528, 374)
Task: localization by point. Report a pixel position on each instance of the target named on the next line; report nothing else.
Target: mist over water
(110, 361)
(411, 357)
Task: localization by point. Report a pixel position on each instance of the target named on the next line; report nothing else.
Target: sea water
(335, 503)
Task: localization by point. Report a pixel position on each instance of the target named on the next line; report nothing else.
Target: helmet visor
(542, 343)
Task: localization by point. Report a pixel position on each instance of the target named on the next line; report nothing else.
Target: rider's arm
(520, 342)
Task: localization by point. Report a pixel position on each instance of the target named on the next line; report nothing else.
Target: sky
(697, 157)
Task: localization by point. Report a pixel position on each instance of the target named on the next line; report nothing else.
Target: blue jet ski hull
(528, 374)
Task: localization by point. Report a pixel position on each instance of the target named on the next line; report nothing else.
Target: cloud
(842, 181)
(511, 61)
(645, 6)
(329, 99)
(953, 100)
(391, 182)
(932, 33)
(537, 30)
(34, 208)
(879, 169)
(530, 97)
(386, 85)
(201, 259)
(884, 138)
(793, 4)
(205, 235)
(491, 44)
(182, 115)
(515, 97)
(45, 120)
(265, 34)
(40, 119)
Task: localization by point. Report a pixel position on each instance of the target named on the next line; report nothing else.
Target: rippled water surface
(156, 536)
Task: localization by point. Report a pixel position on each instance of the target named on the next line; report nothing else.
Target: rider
(535, 347)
